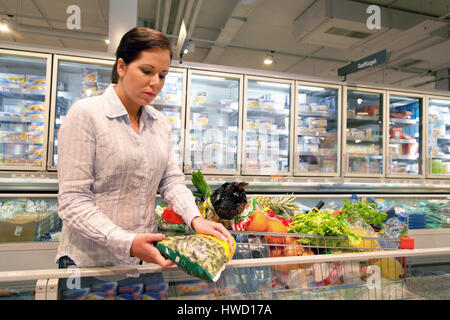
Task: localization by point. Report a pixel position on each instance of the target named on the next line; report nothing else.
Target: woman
(114, 155)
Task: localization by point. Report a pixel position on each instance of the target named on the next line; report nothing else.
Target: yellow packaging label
(224, 244)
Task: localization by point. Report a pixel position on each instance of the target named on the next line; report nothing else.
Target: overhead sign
(367, 62)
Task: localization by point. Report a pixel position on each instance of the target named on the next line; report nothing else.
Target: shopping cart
(296, 266)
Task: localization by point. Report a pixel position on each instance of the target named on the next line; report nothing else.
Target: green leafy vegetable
(366, 210)
(325, 224)
(200, 183)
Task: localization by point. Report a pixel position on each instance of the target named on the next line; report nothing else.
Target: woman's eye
(162, 76)
(146, 71)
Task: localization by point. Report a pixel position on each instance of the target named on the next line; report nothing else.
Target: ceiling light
(4, 26)
(268, 59)
(107, 41)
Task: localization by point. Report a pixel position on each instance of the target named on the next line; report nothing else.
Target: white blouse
(109, 177)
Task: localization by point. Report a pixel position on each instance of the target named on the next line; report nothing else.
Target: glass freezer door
(170, 102)
(24, 100)
(405, 135)
(213, 122)
(317, 130)
(267, 126)
(363, 142)
(439, 137)
(75, 78)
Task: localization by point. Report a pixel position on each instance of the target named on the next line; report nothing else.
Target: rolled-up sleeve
(174, 191)
(77, 205)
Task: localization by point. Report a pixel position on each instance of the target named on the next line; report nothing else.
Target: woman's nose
(154, 80)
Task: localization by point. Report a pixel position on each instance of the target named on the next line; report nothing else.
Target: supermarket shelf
(322, 114)
(403, 121)
(369, 156)
(365, 139)
(207, 127)
(405, 157)
(164, 104)
(316, 154)
(21, 141)
(219, 107)
(406, 141)
(22, 93)
(261, 131)
(316, 134)
(363, 118)
(438, 121)
(443, 137)
(256, 111)
(442, 157)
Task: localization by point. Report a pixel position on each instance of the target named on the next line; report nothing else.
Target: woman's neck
(134, 110)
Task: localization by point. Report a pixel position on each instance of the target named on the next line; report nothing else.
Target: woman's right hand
(143, 248)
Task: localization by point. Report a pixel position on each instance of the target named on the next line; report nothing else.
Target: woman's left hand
(201, 225)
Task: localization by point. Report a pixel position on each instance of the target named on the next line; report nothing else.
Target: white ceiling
(240, 33)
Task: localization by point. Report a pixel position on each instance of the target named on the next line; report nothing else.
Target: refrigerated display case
(438, 160)
(363, 150)
(171, 102)
(406, 132)
(29, 218)
(317, 130)
(213, 123)
(267, 126)
(24, 100)
(259, 270)
(74, 78)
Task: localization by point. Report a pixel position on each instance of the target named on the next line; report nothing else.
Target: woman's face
(142, 79)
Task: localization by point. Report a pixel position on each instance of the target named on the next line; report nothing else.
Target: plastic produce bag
(198, 255)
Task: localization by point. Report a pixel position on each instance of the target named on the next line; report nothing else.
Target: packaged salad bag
(201, 256)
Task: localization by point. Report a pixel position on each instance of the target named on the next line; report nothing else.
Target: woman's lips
(149, 94)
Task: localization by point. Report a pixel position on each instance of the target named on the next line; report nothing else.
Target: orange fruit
(299, 251)
(258, 221)
(278, 227)
(276, 252)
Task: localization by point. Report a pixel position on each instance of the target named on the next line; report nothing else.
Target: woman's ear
(121, 67)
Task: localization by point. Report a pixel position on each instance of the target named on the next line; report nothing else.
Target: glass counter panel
(423, 212)
(76, 80)
(213, 123)
(23, 88)
(267, 126)
(364, 132)
(439, 136)
(29, 219)
(169, 102)
(405, 138)
(18, 290)
(317, 129)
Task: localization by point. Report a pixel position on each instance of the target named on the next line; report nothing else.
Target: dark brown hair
(136, 40)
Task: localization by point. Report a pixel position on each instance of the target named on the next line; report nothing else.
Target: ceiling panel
(264, 25)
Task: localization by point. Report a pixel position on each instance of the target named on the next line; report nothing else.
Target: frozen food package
(90, 74)
(199, 255)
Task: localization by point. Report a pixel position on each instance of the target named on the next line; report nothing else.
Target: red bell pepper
(171, 216)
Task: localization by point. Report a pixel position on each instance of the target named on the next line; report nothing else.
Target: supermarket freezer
(255, 272)
(438, 119)
(24, 108)
(31, 226)
(74, 78)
